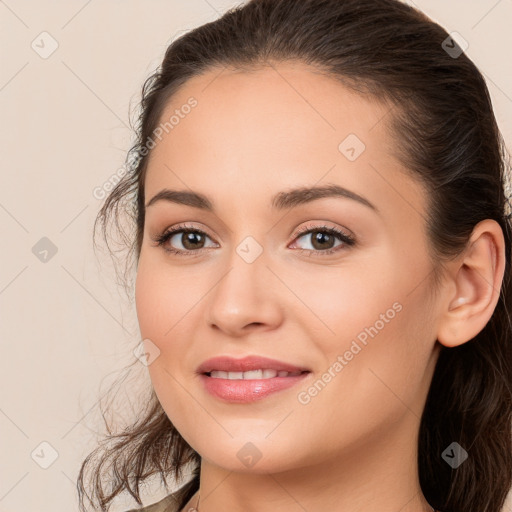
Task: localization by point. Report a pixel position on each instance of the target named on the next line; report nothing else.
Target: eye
(191, 240)
(324, 238)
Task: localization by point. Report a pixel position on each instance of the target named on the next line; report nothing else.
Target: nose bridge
(243, 295)
(245, 272)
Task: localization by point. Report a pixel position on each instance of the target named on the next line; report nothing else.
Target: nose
(246, 298)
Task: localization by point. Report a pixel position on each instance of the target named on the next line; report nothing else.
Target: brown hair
(447, 136)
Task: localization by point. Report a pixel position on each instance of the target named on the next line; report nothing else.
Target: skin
(353, 447)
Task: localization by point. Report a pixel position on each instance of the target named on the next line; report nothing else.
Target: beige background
(64, 325)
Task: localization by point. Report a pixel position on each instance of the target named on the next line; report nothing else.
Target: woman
(323, 246)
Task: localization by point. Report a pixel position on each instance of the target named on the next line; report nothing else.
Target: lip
(247, 390)
(246, 364)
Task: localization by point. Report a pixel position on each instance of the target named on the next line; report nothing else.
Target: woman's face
(352, 312)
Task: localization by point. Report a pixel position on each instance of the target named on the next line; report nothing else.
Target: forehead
(270, 128)
(271, 106)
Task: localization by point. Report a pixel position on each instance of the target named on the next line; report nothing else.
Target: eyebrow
(281, 201)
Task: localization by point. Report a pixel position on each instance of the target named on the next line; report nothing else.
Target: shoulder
(169, 504)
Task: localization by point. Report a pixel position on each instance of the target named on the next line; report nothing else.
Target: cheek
(164, 299)
(377, 382)
(380, 325)
(146, 297)
(158, 310)
(165, 311)
(349, 298)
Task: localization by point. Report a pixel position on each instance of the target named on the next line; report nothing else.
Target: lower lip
(246, 391)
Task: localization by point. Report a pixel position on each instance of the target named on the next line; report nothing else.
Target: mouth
(249, 379)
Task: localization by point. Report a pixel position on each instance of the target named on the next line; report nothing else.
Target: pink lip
(246, 391)
(245, 364)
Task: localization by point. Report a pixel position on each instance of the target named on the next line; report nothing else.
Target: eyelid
(181, 226)
(321, 225)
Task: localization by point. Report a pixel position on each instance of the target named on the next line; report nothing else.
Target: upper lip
(245, 364)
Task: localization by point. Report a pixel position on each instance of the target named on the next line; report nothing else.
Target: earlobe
(477, 276)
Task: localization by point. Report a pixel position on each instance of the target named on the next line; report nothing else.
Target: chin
(251, 455)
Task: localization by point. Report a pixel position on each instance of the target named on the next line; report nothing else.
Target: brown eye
(183, 240)
(323, 239)
(191, 240)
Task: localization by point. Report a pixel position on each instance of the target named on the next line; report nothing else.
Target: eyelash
(347, 240)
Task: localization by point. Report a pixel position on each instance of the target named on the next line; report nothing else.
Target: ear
(477, 276)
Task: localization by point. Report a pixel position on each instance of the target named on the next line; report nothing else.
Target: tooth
(217, 374)
(253, 374)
